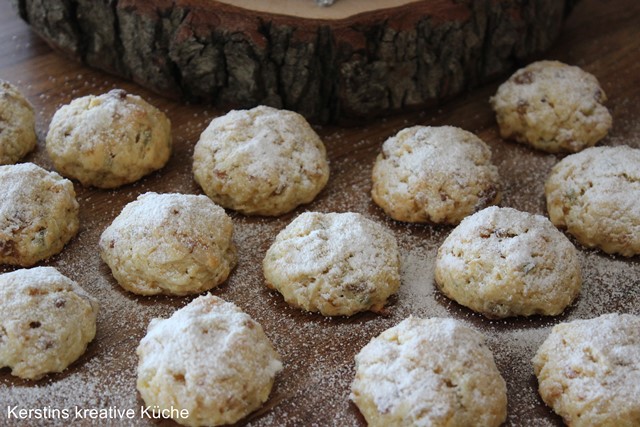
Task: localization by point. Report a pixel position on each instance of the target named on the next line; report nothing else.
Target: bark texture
(355, 68)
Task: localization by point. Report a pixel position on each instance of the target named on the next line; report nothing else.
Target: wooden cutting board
(313, 389)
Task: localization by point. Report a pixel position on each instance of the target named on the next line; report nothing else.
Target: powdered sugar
(590, 369)
(27, 191)
(318, 353)
(420, 371)
(333, 238)
(552, 106)
(93, 118)
(602, 175)
(503, 262)
(38, 213)
(209, 358)
(334, 263)
(594, 195)
(261, 161)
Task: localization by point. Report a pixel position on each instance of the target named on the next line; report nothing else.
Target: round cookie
(174, 244)
(337, 264)
(38, 214)
(109, 140)
(589, 371)
(46, 321)
(429, 372)
(553, 107)
(261, 161)
(17, 125)
(594, 195)
(434, 174)
(210, 359)
(502, 262)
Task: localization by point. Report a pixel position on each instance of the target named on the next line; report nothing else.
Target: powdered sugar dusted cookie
(594, 195)
(46, 321)
(434, 174)
(429, 372)
(261, 161)
(169, 243)
(337, 264)
(502, 262)
(38, 214)
(17, 124)
(553, 107)
(589, 371)
(109, 140)
(209, 358)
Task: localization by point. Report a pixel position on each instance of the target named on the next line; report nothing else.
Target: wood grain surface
(330, 70)
(601, 36)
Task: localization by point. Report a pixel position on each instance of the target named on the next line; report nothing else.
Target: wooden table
(602, 36)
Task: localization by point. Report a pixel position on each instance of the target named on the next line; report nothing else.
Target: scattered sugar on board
(317, 352)
(105, 375)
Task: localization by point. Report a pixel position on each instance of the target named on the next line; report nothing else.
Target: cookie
(502, 262)
(435, 175)
(38, 214)
(17, 125)
(429, 372)
(46, 322)
(261, 161)
(594, 195)
(589, 371)
(553, 107)
(109, 140)
(210, 359)
(174, 244)
(337, 264)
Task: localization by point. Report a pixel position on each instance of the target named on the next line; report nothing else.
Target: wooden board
(343, 63)
(601, 37)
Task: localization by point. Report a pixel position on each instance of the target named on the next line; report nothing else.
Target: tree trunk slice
(308, 9)
(340, 66)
